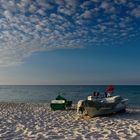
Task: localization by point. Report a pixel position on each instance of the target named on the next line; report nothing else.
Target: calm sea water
(46, 93)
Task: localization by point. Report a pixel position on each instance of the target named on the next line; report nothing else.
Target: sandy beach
(36, 121)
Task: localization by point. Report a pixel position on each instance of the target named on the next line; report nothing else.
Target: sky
(69, 42)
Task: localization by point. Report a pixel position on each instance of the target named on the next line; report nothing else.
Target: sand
(36, 121)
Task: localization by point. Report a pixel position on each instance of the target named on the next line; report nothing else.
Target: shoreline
(20, 120)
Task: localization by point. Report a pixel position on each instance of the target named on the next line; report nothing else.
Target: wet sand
(36, 121)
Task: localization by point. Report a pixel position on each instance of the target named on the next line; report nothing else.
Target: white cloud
(32, 8)
(29, 26)
(7, 14)
(136, 12)
(105, 5)
(87, 14)
(60, 2)
(41, 12)
(86, 4)
(68, 8)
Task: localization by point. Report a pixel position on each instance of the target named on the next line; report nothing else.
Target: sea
(46, 93)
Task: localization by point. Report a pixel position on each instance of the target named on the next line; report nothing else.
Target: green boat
(105, 106)
(60, 103)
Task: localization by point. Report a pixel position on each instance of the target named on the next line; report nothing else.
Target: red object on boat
(109, 88)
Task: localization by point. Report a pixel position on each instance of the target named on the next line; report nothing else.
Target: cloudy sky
(69, 41)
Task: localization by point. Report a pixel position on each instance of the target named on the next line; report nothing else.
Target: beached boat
(105, 106)
(60, 103)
